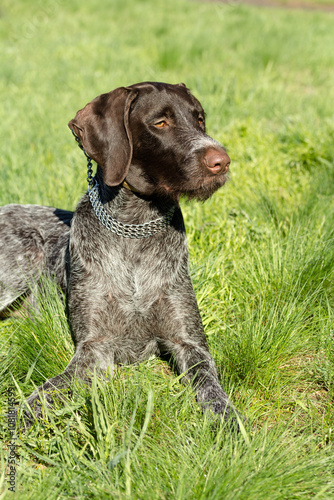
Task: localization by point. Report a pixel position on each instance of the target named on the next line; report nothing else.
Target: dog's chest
(140, 273)
(133, 273)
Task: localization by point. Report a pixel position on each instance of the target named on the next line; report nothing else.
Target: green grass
(261, 250)
(299, 4)
(304, 3)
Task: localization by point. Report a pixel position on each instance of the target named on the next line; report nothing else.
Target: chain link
(90, 178)
(127, 230)
(137, 231)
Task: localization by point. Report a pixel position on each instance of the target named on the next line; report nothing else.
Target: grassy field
(294, 4)
(261, 249)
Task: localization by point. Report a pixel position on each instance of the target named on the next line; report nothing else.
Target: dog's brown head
(152, 134)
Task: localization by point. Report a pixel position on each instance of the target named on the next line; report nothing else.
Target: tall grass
(261, 250)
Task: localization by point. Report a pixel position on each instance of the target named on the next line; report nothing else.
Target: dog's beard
(207, 189)
(202, 190)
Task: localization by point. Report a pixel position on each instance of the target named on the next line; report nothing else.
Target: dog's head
(152, 134)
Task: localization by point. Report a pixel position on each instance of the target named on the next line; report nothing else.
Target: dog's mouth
(209, 185)
(201, 189)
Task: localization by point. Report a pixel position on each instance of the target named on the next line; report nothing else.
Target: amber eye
(200, 120)
(161, 124)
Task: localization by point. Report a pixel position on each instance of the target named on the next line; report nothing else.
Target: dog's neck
(126, 192)
(129, 206)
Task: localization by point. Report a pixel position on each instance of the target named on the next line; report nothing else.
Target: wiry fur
(127, 298)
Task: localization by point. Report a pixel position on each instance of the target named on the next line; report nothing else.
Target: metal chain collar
(137, 231)
(127, 230)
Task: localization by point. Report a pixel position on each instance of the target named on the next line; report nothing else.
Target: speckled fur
(126, 298)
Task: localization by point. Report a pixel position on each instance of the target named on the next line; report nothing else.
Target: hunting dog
(122, 257)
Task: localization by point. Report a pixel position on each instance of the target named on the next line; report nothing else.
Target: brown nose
(217, 162)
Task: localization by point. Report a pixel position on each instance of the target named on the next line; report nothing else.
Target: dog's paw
(226, 412)
(234, 419)
(40, 401)
(35, 408)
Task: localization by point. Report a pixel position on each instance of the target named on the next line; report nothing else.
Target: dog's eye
(161, 124)
(200, 120)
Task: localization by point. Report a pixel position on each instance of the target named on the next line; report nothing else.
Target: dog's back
(33, 240)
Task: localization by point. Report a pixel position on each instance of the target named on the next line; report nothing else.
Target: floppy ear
(102, 127)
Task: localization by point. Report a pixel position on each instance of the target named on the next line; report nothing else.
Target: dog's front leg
(183, 337)
(199, 368)
(80, 367)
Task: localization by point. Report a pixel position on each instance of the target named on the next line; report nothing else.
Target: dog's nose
(217, 162)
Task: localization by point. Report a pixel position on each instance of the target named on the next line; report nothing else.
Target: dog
(121, 258)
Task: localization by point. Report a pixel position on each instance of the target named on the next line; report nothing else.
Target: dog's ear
(102, 127)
